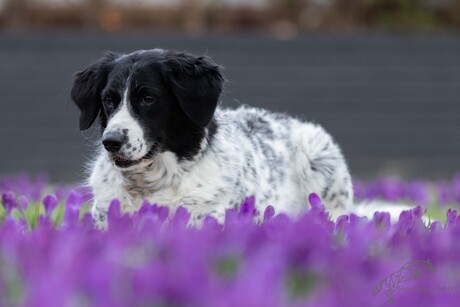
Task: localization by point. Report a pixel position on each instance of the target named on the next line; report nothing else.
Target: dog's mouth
(124, 163)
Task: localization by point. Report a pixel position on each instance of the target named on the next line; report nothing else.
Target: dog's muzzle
(113, 141)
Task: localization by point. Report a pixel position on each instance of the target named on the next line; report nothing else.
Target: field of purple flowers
(50, 254)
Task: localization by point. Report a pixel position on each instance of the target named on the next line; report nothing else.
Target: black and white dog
(166, 140)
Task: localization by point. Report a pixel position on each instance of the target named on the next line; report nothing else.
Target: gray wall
(391, 101)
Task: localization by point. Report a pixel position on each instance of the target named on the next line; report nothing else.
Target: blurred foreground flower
(50, 255)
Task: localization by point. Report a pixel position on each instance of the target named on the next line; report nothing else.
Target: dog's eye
(148, 100)
(108, 102)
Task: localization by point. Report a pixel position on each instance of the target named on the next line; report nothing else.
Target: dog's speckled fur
(226, 156)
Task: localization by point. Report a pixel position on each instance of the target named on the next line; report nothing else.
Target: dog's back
(282, 160)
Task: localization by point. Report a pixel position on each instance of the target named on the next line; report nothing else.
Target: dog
(165, 139)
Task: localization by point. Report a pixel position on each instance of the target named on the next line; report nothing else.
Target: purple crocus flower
(9, 201)
(71, 217)
(50, 202)
(117, 221)
(22, 202)
(181, 218)
(248, 207)
(451, 218)
(154, 257)
(382, 219)
(315, 202)
(74, 198)
(268, 213)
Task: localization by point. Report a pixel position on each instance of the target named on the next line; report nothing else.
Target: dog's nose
(113, 141)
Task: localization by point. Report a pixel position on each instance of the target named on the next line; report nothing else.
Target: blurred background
(382, 76)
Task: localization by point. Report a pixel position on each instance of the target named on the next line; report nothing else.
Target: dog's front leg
(99, 213)
(107, 184)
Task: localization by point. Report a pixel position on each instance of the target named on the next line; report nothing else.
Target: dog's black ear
(87, 87)
(196, 82)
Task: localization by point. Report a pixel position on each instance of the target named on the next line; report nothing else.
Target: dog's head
(148, 102)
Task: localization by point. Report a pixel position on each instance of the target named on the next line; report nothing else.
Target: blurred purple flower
(9, 201)
(382, 220)
(25, 185)
(393, 190)
(71, 216)
(268, 213)
(50, 202)
(180, 218)
(153, 257)
(22, 202)
(117, 221)
(248, 207)
(451, 217)
(74, 199)
(341, 223)
(315, 202)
